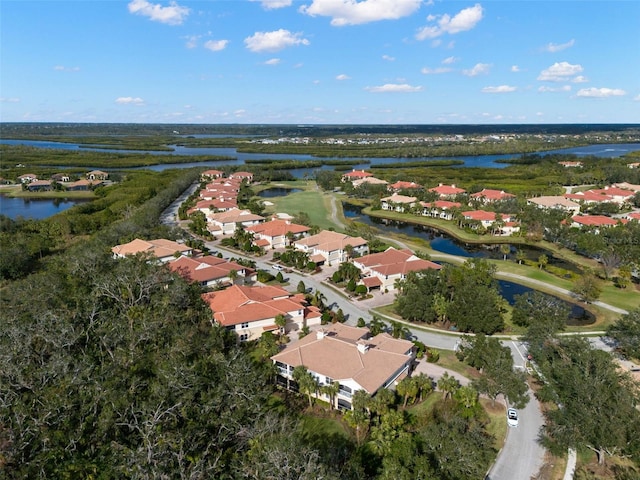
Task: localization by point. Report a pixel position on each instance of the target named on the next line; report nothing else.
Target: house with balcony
(331, 248)
(487, 195)
(355, 175)
(221, 204)
(251, 311)
(555, 202)
(397, 203)
(277, 233)
(97, 175)
(443, 209)
(402, 185)
(28, 178)
(383, 269)
(618, 195)
(368, 181)
(447, 191)
(503, 225)
(589, 197)
(211, 175)
(596, 222)
(39, 186)
(347, 355)
(162, 249)
(211, 271)
(226, 223)
(242, 176)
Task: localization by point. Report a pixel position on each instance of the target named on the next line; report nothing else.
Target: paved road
(521, 456)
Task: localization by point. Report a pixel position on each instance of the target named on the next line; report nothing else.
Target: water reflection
(35, 208)
(277, 192)
(578, 316)
(441, 242)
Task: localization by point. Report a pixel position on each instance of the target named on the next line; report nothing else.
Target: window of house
(244, 337)
(244, 325)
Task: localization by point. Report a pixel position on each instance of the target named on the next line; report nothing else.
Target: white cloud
(174, 14)
(274, 41)
(500, 89)
(9, 100)
(450, 60)
(636, 98)
(216, 45)
(560, 72)
(580, 79)
(515, 68)
(461, 22)
(192, 41)
(129, 101)
(545, 88)
(354, 12)
(394, 87)
(60, 68)
(552, 47)
(273, 4)
(342, 76)
(272, 61)
(478, 69)
(388, 58)
(435, 71)
(601, 92)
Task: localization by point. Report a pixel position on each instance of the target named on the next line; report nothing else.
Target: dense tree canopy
(597, 402)
(466, 296)
(626, 333)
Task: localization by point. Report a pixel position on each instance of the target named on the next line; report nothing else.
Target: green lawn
(311, 201)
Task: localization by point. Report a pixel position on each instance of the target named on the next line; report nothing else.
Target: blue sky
(320, 61)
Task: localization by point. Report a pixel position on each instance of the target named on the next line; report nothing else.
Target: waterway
(240, 158)
(441, 242)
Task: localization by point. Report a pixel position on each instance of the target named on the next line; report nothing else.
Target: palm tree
(233, 275)
(505, 249)
(425, 385)
(448, 384)
(542, 261)
(318, 299)
(398, 330)
(520, 256)
(466, 396)
(281, 322)
(331, 390)
(306, 382)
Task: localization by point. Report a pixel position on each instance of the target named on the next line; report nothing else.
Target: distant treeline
(425, 163)
(20, 129)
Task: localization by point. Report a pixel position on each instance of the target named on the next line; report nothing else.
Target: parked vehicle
(512, 417)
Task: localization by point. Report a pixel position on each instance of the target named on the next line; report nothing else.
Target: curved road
(522, 456)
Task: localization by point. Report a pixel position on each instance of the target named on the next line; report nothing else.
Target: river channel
(240, 158)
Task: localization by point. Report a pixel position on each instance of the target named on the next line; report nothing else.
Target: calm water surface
(36, 209)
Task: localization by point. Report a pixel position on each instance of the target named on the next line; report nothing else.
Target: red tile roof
(447, 190)
(594, 220)
(491, 195)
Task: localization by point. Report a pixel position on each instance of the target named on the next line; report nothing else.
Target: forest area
(114, 368)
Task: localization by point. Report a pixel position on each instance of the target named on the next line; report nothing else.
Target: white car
(512, 417)
(278, 267)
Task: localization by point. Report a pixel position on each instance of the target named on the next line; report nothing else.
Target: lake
(37, 209)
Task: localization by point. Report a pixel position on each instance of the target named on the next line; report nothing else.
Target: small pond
(277, 192)
(578, 316)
